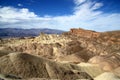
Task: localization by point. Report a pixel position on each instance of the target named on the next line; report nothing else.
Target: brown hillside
(28, 66)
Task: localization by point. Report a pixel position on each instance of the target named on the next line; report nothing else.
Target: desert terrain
(78, 54)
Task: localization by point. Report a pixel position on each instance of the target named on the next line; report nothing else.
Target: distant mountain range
(16, 32)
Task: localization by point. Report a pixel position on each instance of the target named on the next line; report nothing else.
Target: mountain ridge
(19, 32)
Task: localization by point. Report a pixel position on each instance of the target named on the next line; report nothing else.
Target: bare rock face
(85, 33)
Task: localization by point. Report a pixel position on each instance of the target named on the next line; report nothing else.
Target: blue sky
(98, 15)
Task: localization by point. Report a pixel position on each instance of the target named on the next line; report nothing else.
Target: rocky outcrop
(85, 33)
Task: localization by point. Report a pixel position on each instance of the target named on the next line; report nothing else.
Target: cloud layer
(86, 15)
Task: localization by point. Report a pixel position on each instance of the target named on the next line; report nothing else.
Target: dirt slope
(28, 66)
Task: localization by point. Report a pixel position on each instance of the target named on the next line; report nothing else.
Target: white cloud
(97, 6)
(86, 15)
(10, 13)
(78, 2)
(20, 5)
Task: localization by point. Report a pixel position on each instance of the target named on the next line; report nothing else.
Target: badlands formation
(75, 55)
